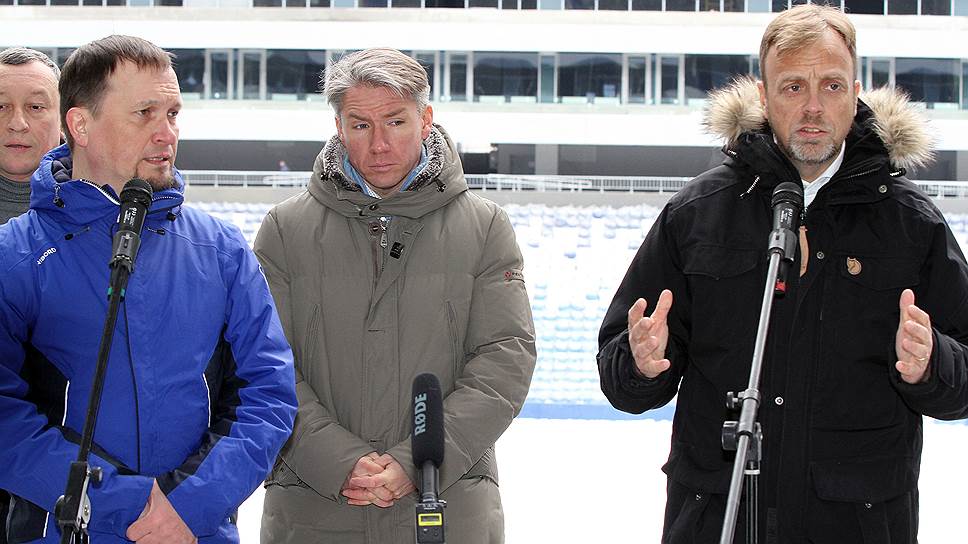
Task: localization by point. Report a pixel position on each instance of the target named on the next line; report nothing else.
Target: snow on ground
(582, 481)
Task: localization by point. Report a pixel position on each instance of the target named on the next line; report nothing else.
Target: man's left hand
(914, 341)
(160, 523)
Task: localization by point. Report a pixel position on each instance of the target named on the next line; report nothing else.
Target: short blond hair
(802, 26)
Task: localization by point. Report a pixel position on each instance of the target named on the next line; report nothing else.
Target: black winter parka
(842, 432)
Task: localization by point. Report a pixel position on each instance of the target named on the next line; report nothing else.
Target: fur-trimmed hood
(440, 180)
(888, 113)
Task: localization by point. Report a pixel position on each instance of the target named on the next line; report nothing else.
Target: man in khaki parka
(385, 268)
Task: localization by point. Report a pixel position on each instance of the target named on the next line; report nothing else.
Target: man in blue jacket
(199, 394)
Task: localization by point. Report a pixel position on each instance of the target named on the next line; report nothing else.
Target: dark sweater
(14, 198)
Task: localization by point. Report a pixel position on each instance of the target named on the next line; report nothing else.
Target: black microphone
(787, 203)
(427, 445)
(135, 201)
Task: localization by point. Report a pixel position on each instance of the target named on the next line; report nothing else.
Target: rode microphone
(787, 204)
(427, 445)
(135, 200)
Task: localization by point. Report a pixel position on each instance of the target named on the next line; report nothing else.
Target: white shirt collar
(811, 188)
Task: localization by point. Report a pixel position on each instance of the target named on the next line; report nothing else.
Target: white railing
(512, 182)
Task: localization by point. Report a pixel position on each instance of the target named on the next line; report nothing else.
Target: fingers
(661, 311)
(637, 312)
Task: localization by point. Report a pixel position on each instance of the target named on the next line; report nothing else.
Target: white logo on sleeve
(46, 254)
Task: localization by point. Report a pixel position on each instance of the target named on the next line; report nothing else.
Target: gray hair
(377, 67)
(22, 55)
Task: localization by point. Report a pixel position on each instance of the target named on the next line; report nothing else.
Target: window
(444, 3)
(505, 76)
(428, 61)
(613, 5)
(589, 77)
(190, 69)
(880, 73)
(482, 3)
(902, 7)
(934, 81)
(579, 4)
(646, 5)
(405, 3)
(458, 77)
(668, 79)
(638, 80)
(707, 72)
(870, 7)
(293, 74)
(935, 7)
(681, 5)
(735, 5)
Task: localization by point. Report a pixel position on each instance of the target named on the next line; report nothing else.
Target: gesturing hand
(648, 336)
(914, 341)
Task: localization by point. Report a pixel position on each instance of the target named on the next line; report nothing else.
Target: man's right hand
(648, 336)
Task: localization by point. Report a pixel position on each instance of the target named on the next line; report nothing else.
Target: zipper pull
(383, 240)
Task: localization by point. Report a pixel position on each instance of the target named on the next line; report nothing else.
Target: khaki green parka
(371, 293)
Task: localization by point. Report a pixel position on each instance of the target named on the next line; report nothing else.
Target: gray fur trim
(897, 121)
(334, 152)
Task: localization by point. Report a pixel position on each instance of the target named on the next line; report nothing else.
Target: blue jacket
(199, 391)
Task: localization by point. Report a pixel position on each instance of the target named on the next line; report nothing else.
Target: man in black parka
(871, 334)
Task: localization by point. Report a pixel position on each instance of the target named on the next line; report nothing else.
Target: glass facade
(707, 72)
(563, 78)
(293, 74)
(505, 77)
(589, 77)
(934, 81)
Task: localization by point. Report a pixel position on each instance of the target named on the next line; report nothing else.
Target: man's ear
(77, 124)
(339, 130)
(426, 122)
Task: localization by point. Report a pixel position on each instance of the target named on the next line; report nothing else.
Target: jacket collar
(54, 191)
(439, 182)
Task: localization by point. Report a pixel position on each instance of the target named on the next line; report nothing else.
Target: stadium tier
(575, 257)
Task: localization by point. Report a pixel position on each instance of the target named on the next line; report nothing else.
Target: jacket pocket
(881, 491)
(308, 363)
(283, 476)
(718, 277)
(860, 319)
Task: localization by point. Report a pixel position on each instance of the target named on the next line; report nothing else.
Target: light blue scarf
(365, 187)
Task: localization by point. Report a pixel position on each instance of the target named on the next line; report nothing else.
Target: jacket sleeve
(943, 294)
(320, 452)
(500, 359)
(256, 406)
(655, 267)
(36, 456)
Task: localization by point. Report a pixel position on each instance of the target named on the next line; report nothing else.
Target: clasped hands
(376, 479)
(649, 336)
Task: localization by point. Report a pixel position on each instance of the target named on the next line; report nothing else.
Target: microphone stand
(73, 508)
(745, 436)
